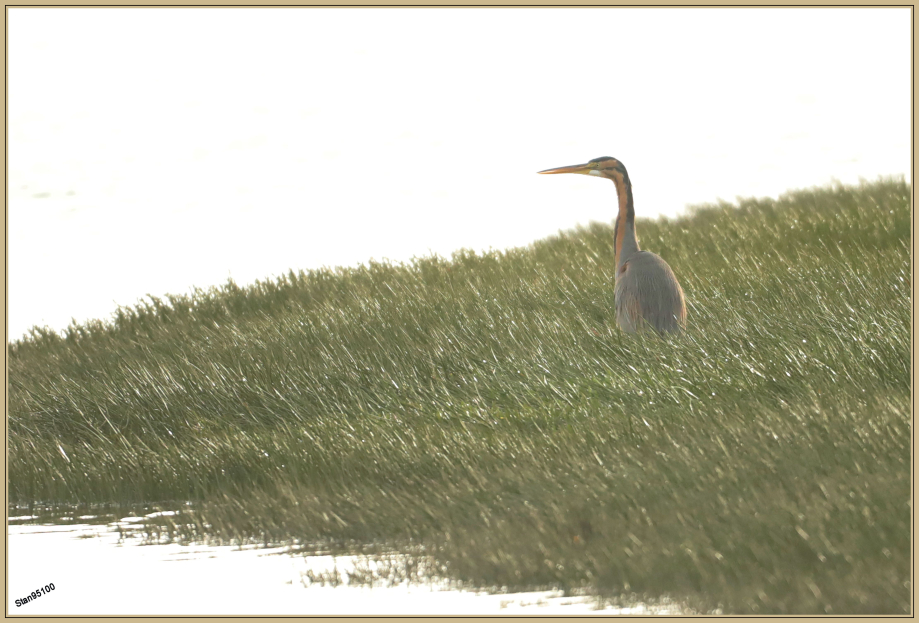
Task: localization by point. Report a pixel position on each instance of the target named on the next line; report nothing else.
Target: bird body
(647, 291)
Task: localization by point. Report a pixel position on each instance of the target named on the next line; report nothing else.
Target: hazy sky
(152, 150)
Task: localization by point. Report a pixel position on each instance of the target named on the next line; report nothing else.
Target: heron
(647, 291)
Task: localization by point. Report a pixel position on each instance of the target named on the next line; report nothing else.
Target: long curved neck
(626, 241)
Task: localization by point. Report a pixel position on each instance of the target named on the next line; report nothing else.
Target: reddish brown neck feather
(626, 209)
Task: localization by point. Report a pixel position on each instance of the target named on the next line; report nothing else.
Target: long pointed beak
(576, 168)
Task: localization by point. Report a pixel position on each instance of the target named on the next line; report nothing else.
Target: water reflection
(101, 565)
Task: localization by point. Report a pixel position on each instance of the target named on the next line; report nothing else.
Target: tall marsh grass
(485, 412)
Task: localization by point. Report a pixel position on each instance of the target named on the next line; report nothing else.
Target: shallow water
(104, 569)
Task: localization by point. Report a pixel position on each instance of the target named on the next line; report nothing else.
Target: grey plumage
(647, 292)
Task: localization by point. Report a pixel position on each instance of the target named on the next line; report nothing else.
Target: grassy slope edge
(485, 410)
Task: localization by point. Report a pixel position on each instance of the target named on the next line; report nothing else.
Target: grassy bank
(485, 411)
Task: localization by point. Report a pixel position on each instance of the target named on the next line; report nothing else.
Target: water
(101, 569)
(165, 168)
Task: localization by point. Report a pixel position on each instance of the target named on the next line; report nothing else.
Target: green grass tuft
(485, 412)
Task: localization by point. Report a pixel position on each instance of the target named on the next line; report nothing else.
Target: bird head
(603, 167)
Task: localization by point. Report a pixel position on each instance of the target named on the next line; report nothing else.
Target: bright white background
(152, 150)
